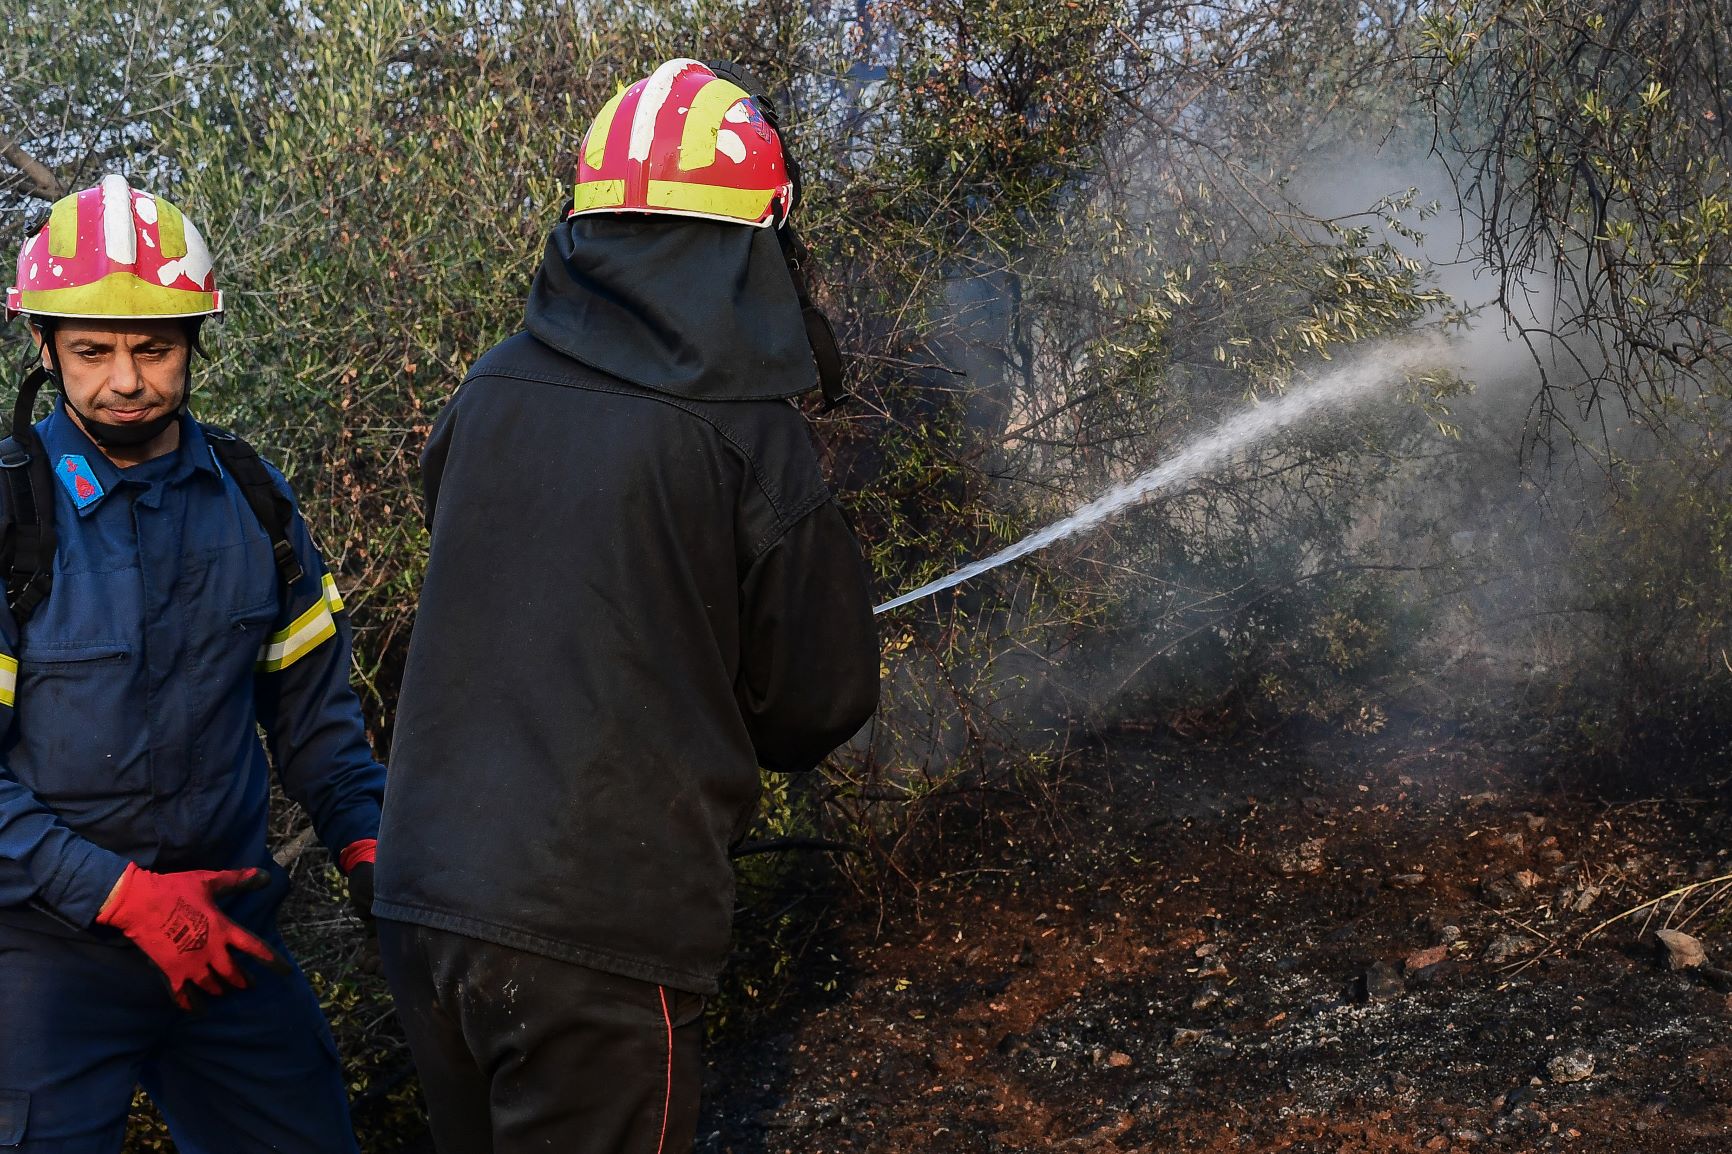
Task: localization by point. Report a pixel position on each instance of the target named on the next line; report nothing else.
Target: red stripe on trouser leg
(668, 1099)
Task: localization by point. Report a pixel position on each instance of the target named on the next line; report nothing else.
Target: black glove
(361, 891)
(361, 905)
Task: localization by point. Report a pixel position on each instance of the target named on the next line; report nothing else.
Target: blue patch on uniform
(75, 473)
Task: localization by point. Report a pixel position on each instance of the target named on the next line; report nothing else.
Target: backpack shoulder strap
(269, 505)
(28, 527)
(28, 519)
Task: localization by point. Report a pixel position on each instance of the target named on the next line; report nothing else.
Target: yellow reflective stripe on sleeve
(333, 598)
(704, 123)
(303, 635)
(8, 679)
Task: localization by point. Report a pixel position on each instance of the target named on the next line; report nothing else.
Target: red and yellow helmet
(112, 251)
(686, 142)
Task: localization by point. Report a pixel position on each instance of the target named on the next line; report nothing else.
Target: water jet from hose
(1340, 386)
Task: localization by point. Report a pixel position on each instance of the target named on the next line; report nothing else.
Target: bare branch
(43, 183)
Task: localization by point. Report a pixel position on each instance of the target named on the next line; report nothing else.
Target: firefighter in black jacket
(640, 591)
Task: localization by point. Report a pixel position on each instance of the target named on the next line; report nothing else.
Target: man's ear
(41, 338)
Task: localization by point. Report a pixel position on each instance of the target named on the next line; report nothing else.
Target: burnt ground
(1380, 946)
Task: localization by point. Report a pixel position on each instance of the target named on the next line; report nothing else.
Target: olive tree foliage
(1592, 150)
(1591, 143)
(1069, 245)
(376, 179)
(68, 102)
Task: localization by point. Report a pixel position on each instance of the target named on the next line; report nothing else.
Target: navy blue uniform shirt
(132, 702)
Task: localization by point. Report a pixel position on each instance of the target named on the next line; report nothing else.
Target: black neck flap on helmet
(819, 333)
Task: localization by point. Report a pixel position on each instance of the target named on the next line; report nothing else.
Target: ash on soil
(1377, 947)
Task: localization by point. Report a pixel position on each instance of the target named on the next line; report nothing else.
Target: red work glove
(356, 862)
(174, 919)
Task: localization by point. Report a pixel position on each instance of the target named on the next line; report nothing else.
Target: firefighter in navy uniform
(164, 602)
(640, 591)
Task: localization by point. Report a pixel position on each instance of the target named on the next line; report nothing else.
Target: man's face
(122, 372)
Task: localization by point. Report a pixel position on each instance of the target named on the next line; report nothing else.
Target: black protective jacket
(640, 590)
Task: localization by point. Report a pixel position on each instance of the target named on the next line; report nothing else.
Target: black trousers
(519, 1052)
